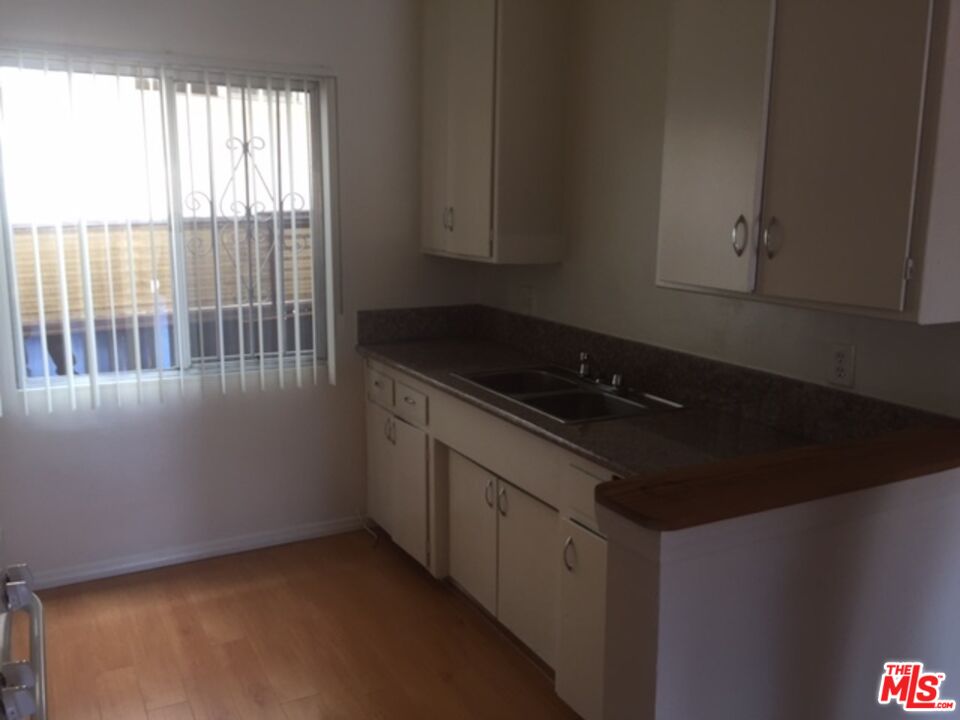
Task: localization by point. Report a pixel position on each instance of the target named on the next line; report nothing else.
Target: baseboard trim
(189, 553)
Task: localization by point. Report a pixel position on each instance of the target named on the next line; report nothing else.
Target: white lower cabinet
(582, 557)
(473, 530)
(397, 480)
(527, 571)
(518, 537)
(408, 494)
(501, 552)
(379, 451)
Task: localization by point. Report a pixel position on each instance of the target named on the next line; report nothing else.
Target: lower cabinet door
(379, 462)
(408, 490)
(582, 558)
(528, 573)
(473, 530)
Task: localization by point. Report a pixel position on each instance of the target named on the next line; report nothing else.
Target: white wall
(81, 492)
(607, 283)
(807, 603)
(787, 614)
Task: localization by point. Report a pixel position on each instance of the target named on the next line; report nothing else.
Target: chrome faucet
(584, 370)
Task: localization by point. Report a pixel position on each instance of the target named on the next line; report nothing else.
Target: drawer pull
(488, 493)
(409, 400)
(377, 384)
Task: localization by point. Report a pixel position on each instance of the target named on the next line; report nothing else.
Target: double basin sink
(564, 396)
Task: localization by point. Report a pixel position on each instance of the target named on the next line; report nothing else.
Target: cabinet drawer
(411, 405)
(380, 389)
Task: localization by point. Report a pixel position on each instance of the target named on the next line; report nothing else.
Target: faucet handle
(616, 381)
(584, 369)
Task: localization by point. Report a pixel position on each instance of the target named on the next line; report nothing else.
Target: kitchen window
(164, 224)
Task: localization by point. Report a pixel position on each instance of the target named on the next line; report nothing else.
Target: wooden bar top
(727, 489)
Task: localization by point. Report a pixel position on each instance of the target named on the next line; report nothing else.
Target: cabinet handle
(377, 384)
(502, 501)
(739, 245)
(488, 493)
(771, 238)
(386, 429)
(567, 546)
(448, 219)
(409, 400)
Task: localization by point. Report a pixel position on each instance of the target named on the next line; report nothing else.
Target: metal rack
(22, 681)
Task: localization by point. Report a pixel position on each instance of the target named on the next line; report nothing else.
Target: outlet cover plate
(843, 365)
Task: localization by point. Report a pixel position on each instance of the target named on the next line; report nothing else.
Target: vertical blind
(163, 225)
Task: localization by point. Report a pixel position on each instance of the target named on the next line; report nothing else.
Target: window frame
(321, 89)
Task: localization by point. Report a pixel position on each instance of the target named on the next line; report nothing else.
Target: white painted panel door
(435, 111)
(713, 142)
(846, 97)
(379, 461)
(582, 557)
(408, 495)
(472, 59)
(528, 573)
(473, 530)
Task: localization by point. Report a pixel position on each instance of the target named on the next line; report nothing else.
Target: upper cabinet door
(472, 60)
(435, 104)
(844, 127)
(718, 70)
(459, 51)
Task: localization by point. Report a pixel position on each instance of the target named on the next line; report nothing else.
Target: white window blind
(163, 227)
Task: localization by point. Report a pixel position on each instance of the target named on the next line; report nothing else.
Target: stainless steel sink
(585, 406)
(562, 395)
(521, 382)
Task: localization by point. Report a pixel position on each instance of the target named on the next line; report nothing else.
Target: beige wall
(88, 491)
(607, 284)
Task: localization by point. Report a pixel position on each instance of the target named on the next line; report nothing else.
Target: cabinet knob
(488, 493)
(502, 501)
(567, 547)
(772, 237)
(738, 239)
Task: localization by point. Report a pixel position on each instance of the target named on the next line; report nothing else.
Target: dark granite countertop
(637, 447)
(747, 441)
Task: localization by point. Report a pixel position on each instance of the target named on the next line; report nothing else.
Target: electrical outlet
(843, 364)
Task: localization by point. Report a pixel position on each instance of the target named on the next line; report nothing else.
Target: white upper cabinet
(494, 109)
(833, 136)
(713, 142)
(845, 120)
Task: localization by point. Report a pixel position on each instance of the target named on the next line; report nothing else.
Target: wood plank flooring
(332, 628)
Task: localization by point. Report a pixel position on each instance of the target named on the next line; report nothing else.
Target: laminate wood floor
(331, 628)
